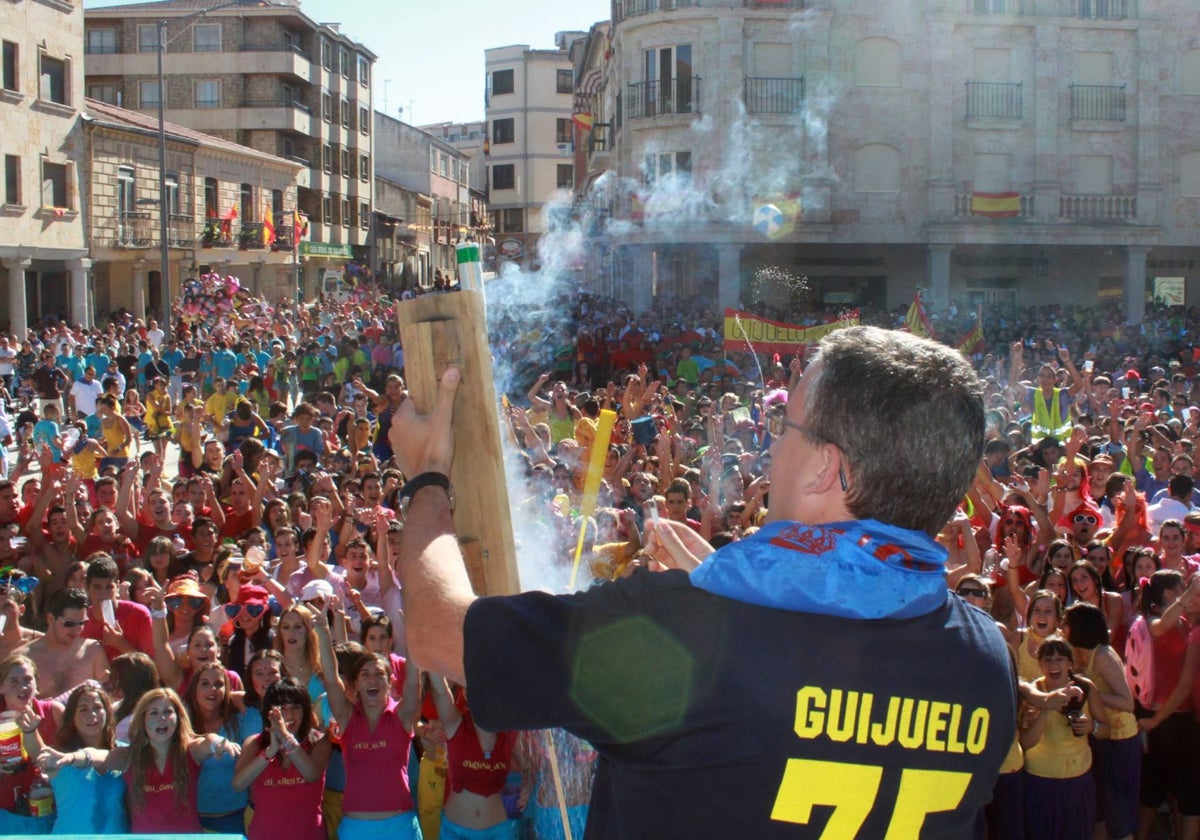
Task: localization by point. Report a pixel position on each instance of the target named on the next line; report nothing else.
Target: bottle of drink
(41, 796)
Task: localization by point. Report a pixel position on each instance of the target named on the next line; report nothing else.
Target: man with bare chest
(64, 658)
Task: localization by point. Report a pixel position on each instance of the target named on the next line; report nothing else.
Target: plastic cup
(110, 613)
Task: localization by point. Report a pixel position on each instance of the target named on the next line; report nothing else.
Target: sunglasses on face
(250, 611)
(972, 593)
(70, 625)
(195, 602)
(1081, 518)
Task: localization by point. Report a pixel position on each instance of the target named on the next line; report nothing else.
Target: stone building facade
(43, 254)
(220, 196)
(265, 76)
(988, 151)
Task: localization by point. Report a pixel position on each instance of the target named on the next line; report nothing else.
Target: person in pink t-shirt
(376, 737)
(161, 765)
(284, 767)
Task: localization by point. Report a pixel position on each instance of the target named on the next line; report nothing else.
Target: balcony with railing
(775, 4)
(999, 7)
(181, 231)
(994, 100)
(1101, 9)
(633, 8)
(217, 234)
(1097, 208)
(283, 238)
(278, 102)
(135, 229)
(1101, 103)
(965, 207)
(665, 97)
(767, 95)
(250, 237)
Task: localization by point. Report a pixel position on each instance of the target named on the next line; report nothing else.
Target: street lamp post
(164, 248)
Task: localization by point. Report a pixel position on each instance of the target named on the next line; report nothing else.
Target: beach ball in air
(768, 219)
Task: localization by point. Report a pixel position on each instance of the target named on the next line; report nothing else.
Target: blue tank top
(215, 794)
(88, 802)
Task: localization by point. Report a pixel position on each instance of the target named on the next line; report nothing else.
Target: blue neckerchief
(859, 569)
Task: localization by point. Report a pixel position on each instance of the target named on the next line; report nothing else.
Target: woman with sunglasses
(1088, 587)
(211, 708)
(376, 739)
(283, 767)
(187, 608)
(296, 641)
(1118, 758)
(1060, 796)
(251, 617)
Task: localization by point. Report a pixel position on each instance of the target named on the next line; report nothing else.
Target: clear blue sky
(432, 50)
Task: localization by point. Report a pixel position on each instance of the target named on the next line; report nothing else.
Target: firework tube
(591, 485)
(470, 267)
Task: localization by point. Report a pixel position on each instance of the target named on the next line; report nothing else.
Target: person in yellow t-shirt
(220, 403)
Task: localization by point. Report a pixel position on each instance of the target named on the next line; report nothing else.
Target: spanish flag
(584, 121)
(268, 233)
(1005, 205)
(973, 342)
(917, 321)
(228, 219)
(299, 227)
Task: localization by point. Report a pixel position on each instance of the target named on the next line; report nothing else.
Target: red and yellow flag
(268, 231)
(584, 121)
(917, 320)
(1005, 205)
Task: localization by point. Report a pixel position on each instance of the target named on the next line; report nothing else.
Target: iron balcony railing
(135, 229)
(1102, 9)
(1105, 103)
(994, 100)
(680, 95)
(217, 234)
(767, 95)
(181, 231)
(250, 237)
(283, 238)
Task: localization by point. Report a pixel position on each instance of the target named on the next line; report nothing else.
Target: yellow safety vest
(1048, 421)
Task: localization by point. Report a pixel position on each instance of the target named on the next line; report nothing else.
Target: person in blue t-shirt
(302, 436)
(72, 363)
(225, 361)
(172, 356)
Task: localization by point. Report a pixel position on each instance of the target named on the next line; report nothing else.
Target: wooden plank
(443, 330)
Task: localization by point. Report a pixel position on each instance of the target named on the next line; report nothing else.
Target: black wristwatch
(425, 479)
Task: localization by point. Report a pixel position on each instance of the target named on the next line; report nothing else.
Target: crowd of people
(202, 623)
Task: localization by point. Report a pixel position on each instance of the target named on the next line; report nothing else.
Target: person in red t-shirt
(155, 519)
(130, 631)
(245, 502)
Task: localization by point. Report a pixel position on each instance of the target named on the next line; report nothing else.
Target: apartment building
(412, 159)
(264, 76)
(231, 209)
(529, 145)
(43, 254)
(1028, 151)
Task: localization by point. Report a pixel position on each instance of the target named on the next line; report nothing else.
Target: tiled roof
(101, 112)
